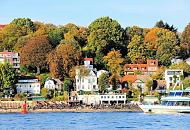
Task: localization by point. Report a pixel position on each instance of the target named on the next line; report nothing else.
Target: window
(102, 97)
(88, 80)
(123, 96)
(119, 96)
(88, 86)
(82, 80)
(77, 80)
(170, 78)
(112, 96)
(93, 80)
(82, 86)
(78, 87)
(94, 86)
(108, 96)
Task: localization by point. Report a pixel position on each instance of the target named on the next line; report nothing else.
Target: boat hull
(164, 109)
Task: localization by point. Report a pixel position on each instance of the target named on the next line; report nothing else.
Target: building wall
(169, 76)
(10, 57)
(87, 83)
(100, 99)
(49, 84)
(28, 85)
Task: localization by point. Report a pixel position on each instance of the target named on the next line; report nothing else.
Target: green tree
(26, 24)
(103, 82)
(132, 31)
(67, 83)
(137, 49)
(7, 77)
(104, 35)
(56, 35)
(161, 24)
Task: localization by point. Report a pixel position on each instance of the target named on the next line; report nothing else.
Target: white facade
(170, 78)
(10, 57)
(86, 83)
(49, 84)
(101, 72)
(188, 61)
(52, 84)
(101, 99)
(28, 85)
(176, 60)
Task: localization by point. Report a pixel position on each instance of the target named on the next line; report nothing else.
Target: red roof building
(144, 69)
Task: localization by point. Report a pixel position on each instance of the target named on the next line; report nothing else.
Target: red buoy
(24, 110)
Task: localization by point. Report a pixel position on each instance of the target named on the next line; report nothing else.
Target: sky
(143, 13)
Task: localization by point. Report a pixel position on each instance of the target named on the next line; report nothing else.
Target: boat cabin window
(178, 93)
(172, 94)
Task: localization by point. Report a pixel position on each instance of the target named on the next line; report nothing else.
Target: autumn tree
(182, 65)
(185, 42)
(35, 51)
(159, 73)
(114, 60)
(63, 59)
(137, 50)
(69, 56)
(17, 28)
(55, 65)
(77, 37)
(164, 42)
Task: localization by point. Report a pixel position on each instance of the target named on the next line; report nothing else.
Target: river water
(94, 121)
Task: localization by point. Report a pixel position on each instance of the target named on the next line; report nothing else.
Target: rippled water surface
(94, 121)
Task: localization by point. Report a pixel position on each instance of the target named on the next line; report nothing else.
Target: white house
(52, 84)
(87, 83)
(103, 99)
(173, 77)
(28, 85)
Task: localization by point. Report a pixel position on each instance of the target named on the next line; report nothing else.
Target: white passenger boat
(178, 101)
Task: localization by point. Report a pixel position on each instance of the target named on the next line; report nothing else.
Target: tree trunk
(38, 70)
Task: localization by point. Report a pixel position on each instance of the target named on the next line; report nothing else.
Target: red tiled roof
(7, 52)
(2, 26)
(89, 59)
(131, 78)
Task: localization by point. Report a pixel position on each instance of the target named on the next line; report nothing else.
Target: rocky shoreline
(69, 110)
